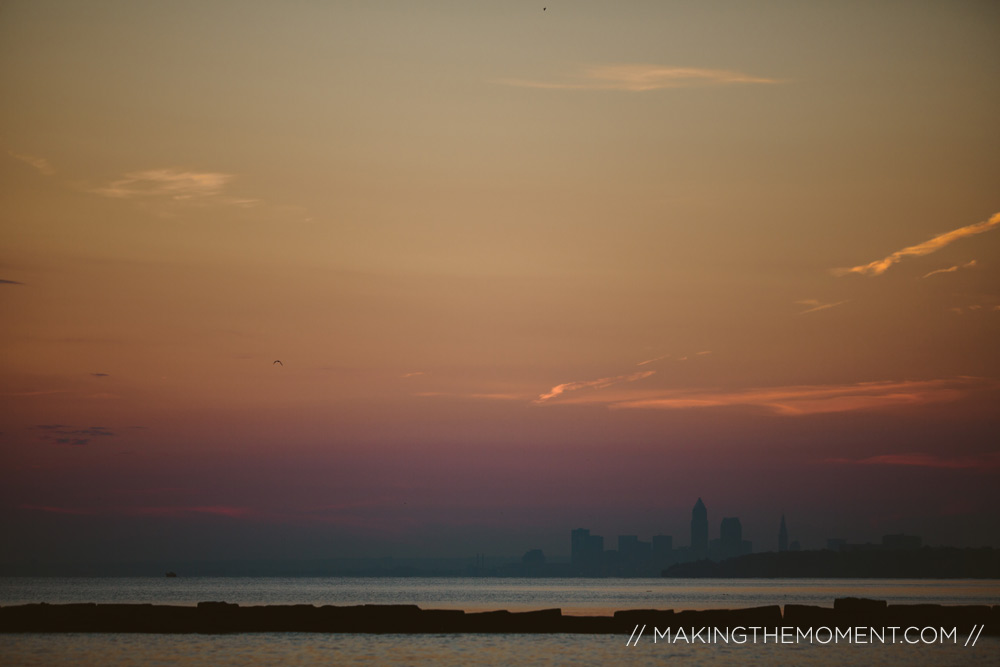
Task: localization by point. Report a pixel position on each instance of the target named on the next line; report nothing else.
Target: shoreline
(223, 617)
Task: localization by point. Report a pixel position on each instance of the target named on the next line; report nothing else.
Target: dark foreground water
(579, 596)
(457, 650)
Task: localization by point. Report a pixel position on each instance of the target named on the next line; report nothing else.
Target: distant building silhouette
(699, 530)
(730, 543)
(731, 537)
(782, 536)
(836, 544)
(663, 545)
(586, 552)
(533, 557)
(628, 545)
(533, 563)
(578, 544)
(731, 530)
(634, 557)
(663, 553)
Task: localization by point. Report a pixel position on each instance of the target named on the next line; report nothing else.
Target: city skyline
(522, 271)
(700, 544)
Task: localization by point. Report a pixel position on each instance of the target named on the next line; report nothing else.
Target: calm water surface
(573, 596)
(579, 596)
(456, 650)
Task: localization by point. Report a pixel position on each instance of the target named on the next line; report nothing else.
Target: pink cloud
(592, 384)
(812, 399)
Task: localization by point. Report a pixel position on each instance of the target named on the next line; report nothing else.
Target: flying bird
(277, 361)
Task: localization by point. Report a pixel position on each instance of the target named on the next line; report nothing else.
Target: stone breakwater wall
(222, 617)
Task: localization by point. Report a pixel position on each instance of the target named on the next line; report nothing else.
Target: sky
(527, 268)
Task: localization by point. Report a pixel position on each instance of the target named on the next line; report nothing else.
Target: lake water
(578, 596)
(573, 596)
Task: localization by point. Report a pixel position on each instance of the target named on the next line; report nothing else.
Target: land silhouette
(222, 617)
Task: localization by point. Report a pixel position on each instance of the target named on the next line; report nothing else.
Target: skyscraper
(730, 543)
(699, 530)
(586, 552)
(578, 546)
(782, 536)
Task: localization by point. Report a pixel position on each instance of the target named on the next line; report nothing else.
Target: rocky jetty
(223, 617)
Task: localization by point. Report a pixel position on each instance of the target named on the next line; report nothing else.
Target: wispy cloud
(880, 266)
(62, 434)
(499, 396)
(653, 360)
(641, 78)
(951, 269)
(592, 384)
(813, 399)
(815, 305)
(164, 191)
(411, 375)
(39, 163)
(491, 396)
(172, 183)
(703, 353)
(982, 462)
(961, 310)
(10, 282)
(165, 512)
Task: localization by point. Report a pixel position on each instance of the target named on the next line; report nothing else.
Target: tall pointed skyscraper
(699, 530)
(782, 536)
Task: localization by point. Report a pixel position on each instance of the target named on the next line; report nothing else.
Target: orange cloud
(39, 163)
(813, 399)
(816, 305)
(172, 183)
(642, 78)
(880, 266)
(667, 356)
(952, 269)
(650, 361)
(499, 396)
(492, 396)
(592, 384)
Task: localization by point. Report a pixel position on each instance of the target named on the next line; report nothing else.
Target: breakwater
(222, 617)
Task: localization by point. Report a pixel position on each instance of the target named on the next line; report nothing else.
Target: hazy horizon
(525, 272)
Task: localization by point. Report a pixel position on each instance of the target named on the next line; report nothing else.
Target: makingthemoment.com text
(795, 635)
